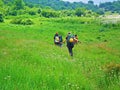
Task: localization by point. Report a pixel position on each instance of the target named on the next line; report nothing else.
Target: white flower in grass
(78, 88)
(69, 84)
(5, 78)
(73, 85)
(5, 53)
(9, 76)
(76, 85)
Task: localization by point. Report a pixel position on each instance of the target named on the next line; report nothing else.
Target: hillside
(61, 5)
(111, 6)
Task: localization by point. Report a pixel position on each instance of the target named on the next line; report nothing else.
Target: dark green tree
(1, 18)
(39, 11)
(19, 4)
(80, 11)
(49, 14)
(90, 2)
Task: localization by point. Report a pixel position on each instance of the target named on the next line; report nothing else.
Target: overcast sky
(95, 1)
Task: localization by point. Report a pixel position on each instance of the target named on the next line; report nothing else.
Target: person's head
(56, 33)
(75, 35)
(69, 33)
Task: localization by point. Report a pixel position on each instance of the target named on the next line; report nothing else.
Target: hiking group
(71, 40)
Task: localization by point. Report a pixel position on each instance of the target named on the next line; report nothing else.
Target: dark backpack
(60, 37)
(70, 39)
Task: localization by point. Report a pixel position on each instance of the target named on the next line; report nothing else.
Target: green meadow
(29, 60)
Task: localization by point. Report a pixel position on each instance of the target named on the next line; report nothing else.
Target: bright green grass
(30, 61)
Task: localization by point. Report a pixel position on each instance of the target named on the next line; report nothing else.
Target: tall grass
(30, 61)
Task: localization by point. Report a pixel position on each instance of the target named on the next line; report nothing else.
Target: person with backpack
(56, 39)
(70, 43)
(76, 39)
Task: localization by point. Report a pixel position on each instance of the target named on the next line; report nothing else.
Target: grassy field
(29, 60)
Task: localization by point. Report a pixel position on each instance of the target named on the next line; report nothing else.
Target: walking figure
(70, 43)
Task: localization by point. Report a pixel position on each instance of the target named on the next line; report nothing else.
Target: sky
(95, 1)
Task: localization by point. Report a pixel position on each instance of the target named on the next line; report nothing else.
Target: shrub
(49, 14)
(112, 69)
(22, 22)
(27, 22)
(32, 12)
(13, 13)
(16, 21)
(112, 73)
(1, 18)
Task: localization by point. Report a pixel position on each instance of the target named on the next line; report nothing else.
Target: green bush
(22, 22)
(112, 70)
(16, 21)
(27, 22)
(32, 12)
(1, 18)
(49, 14)
(13, 13)
(112, 73)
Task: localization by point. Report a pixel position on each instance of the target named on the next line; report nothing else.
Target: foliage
(39, 11)
(80, 12)
(32, 12)
(112, 73)
(111, 6)
(30, 60)
(22, 21)
(18, 4)
(112, 70)
(12, 12)
(49, 13)
(1, 18)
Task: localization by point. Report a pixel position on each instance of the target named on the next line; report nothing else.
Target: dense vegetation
(111, 6)
(29, 60)
(11, 7)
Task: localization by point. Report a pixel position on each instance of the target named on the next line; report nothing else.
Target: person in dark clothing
(70, 43)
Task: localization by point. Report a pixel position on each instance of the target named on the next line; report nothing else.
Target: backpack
(60, 37)
(70, 39)
(57, 39)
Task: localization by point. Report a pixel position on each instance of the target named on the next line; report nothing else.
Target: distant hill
(111, 6)
(62, 5)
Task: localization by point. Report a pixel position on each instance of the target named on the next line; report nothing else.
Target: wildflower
(78, 88)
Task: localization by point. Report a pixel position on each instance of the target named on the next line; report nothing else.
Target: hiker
(70, 43)
(56, 39)
(76, 39)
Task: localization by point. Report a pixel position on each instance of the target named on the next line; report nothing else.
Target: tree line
(55, 8)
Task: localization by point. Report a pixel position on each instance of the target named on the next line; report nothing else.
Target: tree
(49, 13)
(1, 18)
(19, 4)
(39, 11)
(80, 11)
(91, 2)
